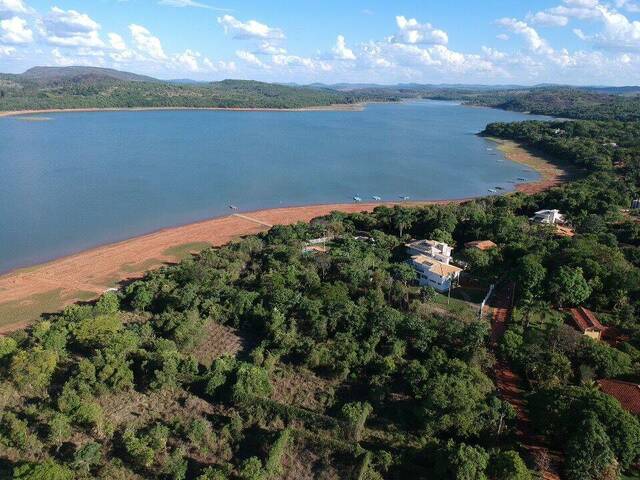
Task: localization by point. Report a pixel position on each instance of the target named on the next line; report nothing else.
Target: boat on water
(376, 198)
(492, 190)
(233, 207)
(499, 188)
(404, 197)
(357, 199)
(520, 179)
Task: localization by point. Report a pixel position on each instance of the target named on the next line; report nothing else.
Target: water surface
(83, 179)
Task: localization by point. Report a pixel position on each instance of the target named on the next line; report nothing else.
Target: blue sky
(462, 41)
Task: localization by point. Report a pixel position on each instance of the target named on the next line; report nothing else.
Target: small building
(585, 320)
(551, 217)
(481, 244)
(627, 393)
(431, 248)
(434, 273)
(635, 204)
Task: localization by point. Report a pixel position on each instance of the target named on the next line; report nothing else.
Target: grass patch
(455, 306)
(30, 308)
(183, 251)
(140, 266)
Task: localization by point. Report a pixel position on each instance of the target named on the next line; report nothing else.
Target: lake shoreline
(26, 293)
(343, 107)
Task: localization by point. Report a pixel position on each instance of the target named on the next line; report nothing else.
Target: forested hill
(582, 103)
(82, 87)
(564, 102)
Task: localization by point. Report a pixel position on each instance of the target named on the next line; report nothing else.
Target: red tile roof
(586, 320)
(627, 393)
(481, 244)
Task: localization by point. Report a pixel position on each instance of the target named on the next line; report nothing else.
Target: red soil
(509, 388)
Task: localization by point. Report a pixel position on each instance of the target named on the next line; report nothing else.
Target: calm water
(84, 179)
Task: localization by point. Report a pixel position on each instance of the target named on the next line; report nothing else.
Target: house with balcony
(432, 261)
(434, 273)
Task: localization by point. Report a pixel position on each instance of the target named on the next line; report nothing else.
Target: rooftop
(586, 320)
(564, 231)
(481, 244)
(627, 393)
(427, 244)
(436, 266)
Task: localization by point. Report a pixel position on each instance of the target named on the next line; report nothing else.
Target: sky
(580, 42)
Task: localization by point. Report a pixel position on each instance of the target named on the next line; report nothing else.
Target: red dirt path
(509, 388)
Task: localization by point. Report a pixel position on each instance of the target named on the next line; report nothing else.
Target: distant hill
(42, 88)
(47, 74)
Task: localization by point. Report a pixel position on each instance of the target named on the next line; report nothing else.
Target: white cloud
(82, 57)
(13, 6)
(534, 41)
(249, 29)
(268, 48)
(70, 28)
(493, 54)
(628, 5)
(189, 60)
(117, 42)
(188, 3)
(146, 43)
(219, 66)
(503, 36)
(548, 19)
(15, 31)
(341, 51)
(251, 59)
(6, 51)
(412, 32)
(619, 32)
(296, 61)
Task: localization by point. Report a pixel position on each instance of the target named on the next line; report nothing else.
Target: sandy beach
(355, 107)
(27, 293)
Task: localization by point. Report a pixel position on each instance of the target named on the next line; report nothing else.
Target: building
(434, 273)
(627, 393)
(481, 244)
(432, 249)
(587, 323)
(635, 204)
(551, 217)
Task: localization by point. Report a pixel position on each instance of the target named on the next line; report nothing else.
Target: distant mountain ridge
(74, 87)
(57, 73)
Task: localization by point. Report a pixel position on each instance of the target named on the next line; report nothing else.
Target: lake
(71, 181)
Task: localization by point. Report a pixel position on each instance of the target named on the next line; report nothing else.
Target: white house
(551, 217)
(434, 273)
(431, 248)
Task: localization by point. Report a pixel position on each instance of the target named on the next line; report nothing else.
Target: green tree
(568, 287)
(508, 466)
(47, 470)
(108, 304)
(529, 276)
(589, 454)
(31, 370)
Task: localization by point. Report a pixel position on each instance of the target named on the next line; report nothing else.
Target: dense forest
(267, 359)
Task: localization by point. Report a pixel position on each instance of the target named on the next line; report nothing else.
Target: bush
(47, 470)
